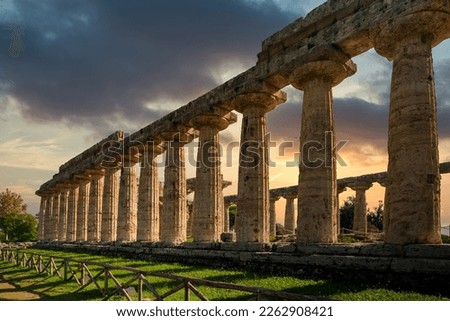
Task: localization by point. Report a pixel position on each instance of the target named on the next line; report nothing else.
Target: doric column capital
(340, 189)
(96, 174)
(213, 120)
(274, 198)
(290, 197)
(330, 65)
(426, 27)
(263, 100)
(184, 136)
(360, 185)
(82, 178)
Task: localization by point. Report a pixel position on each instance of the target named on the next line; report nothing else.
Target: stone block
(285, 248)
(228, 237)
(441, 251)
(379, 249)
(416, 265)
(328, 249)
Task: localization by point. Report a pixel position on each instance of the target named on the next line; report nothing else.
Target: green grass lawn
(53, 288)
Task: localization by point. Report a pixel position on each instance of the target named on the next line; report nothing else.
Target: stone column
(127, 215)
(383, 183)
(289, 215)
(413, 183)
(208, 198)
(110, 205)
(252, 221)
(226, 216)
(71, 234)
(148, 204)
(48, 217)
(82, 208)
(317, 204)
(55, 217)
(273, 215)
(41, 222)
(63, 212)
(360, 211)
(95, 206)
(340, 189)
(174, 219)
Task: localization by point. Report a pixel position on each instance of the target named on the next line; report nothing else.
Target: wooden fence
(108, 285)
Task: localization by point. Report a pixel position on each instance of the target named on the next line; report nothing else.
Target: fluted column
(41, 221)
(63, 212)
(413, 183)
(127, 215)
(289, 215)
(55, 216)
(110, 205)
(82, 209)
(148, 203)
(48, 217)
(273, 215)
(317, 204)
(360, 211)
(71, 234)
(208, 198)
(95, 206)
(174, 219)
(252, 221)
(340, 189)
(226, 216)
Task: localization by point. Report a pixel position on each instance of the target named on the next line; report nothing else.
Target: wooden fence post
(187, 294)
(140, 287)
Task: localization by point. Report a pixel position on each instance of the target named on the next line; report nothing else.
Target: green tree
(346, 213)
(232, 216)
(11, 202)
(375, 217)
(19, 227)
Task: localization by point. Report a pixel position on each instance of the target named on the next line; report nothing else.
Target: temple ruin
(98, 196)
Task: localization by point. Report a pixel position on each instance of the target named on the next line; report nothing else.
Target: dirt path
(10, 292)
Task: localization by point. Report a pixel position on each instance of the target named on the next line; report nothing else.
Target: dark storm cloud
(355, 119)
(100, 61)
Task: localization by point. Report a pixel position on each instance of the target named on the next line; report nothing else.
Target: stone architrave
(174, 211)
(95, 206)
(208, 199)
(148, 215)
(317, 203)
(252, 221)
(289, 215)
(413, 183)
(273, 215)
(110, 205)
(71, 234)
(360, 211)
(63, 212)
(127, 215)
(82, 208)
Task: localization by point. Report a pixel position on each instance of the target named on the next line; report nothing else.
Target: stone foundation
(412, 267)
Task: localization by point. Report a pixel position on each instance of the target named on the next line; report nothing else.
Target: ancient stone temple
(102, 196)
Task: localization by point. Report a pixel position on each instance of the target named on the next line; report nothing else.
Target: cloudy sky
(72, 72)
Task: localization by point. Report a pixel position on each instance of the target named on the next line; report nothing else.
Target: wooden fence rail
(105, 281)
